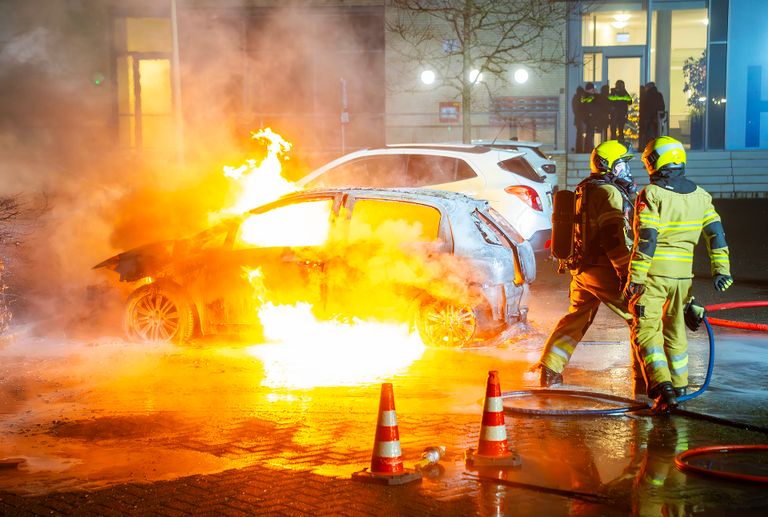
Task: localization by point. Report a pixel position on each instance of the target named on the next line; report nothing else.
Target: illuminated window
(613, 28)
(593, 67)
(144, 87)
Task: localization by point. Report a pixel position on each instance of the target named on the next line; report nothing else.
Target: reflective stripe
(709, 216)
(679, 363)
(388, 449)
(494, 433)
(388, 419)
(669, 147)
(642, 266)
(675, 256)
(650, 222)
(494, 404)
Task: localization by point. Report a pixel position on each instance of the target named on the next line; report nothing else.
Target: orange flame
(261, 182)
(303, 352)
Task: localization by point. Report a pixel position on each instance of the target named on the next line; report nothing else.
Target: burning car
(445, 263)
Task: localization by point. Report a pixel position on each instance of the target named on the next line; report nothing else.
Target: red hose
(680, 461)
(762, 327)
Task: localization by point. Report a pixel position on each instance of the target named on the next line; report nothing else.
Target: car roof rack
(467, 148)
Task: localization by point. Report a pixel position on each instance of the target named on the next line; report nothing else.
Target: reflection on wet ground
(97, 414)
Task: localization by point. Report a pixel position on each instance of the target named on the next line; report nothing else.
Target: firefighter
(604, 203)
(671, 213)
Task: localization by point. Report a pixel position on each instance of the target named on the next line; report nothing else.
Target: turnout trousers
(589, 288)
(658, 330)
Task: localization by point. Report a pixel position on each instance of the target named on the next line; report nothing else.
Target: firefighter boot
(664, 398)
(549, 377)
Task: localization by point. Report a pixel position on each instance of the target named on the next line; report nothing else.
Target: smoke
(91, 196)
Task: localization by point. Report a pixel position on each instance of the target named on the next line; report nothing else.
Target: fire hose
(738, 324)
(631, 405)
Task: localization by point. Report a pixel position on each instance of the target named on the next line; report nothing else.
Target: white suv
(502, 177)
(544, 166)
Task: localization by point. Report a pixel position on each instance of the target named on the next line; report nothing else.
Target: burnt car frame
(460, 276)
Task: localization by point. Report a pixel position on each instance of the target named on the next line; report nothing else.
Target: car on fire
(503, 177)
(447, 264)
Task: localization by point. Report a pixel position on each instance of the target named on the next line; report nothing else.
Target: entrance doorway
(629, 70)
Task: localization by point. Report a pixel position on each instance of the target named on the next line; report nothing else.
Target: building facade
(190, 78)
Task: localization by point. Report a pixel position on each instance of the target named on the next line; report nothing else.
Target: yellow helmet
(663, 151)
(607, 154)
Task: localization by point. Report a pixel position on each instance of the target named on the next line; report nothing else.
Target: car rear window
(391, 220)
(520, 166)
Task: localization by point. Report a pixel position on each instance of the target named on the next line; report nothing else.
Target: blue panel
(747, 88)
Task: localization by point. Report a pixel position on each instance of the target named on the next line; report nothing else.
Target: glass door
(629, 70)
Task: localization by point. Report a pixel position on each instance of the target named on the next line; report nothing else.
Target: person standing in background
(619, 101)
(602, 113)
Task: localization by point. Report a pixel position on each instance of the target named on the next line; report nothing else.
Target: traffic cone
(387, 459)
(493, 449)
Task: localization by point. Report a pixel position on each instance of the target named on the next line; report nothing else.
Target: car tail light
(548, 244)
(527, 194)
(549, 168)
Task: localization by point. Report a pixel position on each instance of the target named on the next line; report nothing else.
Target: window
(397, 221)
(143, 67)
(521, 167)
(613, 28)
(424, 170)
(593, 67)
(354, 173)
(305, 223)
(387, 170)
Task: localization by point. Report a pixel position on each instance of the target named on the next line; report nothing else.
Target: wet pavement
(108, 427)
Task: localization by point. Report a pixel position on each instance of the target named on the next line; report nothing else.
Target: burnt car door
(275, 256)
(381, 267)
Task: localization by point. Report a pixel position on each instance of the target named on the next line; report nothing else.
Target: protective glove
(722, 282)
(693, 313)
(632, 289)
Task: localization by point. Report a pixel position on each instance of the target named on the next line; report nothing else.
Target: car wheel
(446, 323)
(160, 314)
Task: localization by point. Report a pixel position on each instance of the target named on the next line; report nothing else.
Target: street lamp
(475, 76)
(428, 77)
(520, 76)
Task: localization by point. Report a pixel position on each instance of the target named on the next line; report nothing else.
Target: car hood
(145, 260)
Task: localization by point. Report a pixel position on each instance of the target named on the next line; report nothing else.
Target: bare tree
(456, 37)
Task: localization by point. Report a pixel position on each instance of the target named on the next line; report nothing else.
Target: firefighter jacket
(670, 215)
(603, 235)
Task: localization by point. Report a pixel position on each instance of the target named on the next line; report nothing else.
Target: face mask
(621, 171)
(622, 176)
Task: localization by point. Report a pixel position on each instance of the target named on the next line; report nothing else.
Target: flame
(302, 224)
(261, 182)
(305, 353)
(301, 351)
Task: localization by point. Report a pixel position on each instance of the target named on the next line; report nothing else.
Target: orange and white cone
(387, 458)
(493, 449)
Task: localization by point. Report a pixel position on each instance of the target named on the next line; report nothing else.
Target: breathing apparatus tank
(567, 228)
